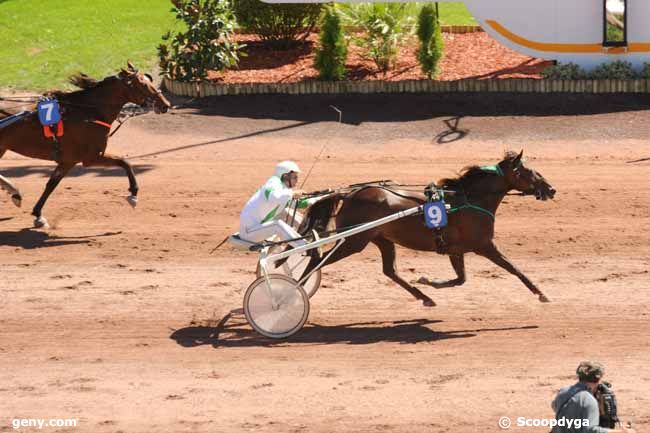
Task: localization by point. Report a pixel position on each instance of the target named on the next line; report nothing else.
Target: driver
(261, 217)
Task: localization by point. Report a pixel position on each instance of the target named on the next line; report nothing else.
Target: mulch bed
(470, 55)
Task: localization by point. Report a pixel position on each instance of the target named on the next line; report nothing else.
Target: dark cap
(590, 371)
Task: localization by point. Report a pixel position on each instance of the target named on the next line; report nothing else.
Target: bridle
(149, 99)
(517, 173)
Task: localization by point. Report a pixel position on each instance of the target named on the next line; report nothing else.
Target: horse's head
(525, 179)
(319, 214)
(141, 91)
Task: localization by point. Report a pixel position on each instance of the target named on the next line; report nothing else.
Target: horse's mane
(470, 173)
(82, 81)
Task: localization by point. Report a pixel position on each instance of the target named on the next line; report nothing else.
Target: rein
(121, 120)
(472, 206)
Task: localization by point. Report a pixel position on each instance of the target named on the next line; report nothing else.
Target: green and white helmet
(285, 167)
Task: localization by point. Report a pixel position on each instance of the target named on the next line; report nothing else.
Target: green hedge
(281, 25)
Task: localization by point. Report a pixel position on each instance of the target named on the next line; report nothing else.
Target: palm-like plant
(384, 27)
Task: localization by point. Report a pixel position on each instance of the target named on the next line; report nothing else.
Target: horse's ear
(517, 160)
(130, 65)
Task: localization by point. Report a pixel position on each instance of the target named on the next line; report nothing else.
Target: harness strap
(52, 131)
(566, 402)
(494, 169)
(104, 124)
(472, 206)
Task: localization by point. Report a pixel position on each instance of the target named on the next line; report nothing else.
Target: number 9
(435, 215)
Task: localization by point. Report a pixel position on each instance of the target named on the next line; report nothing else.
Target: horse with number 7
(80, 132)
(467, 226)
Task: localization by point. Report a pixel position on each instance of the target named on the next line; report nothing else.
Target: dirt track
(114, 316)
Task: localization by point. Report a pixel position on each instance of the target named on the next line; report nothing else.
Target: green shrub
(431, 43)
(282, 25)
(333, 50)
(645, 72)
(384, 27)
(618, 70)
(564, 71)
(204, 46)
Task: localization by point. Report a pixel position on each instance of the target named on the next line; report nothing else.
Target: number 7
(49, 107)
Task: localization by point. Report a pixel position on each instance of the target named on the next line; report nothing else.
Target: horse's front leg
(491, 252)
(106, 160)
(458, 263)
(59, 173)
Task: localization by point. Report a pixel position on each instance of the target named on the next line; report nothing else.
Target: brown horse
(87, 117)
(474, 196)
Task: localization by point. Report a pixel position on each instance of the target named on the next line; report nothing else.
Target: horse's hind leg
(458, 263)
(16, 196)
(59, 173)
(388, 258)
(352, 245)
(113, 161)
(5, 184)
(491, 252)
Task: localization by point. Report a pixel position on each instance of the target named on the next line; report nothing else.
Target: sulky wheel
(294, 267)
(276, 308)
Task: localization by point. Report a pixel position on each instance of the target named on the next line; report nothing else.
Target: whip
(322, 149)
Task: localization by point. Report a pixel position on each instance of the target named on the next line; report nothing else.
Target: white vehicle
(277, 304)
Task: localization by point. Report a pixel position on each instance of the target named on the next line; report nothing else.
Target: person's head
(287, 171)
(590, 373)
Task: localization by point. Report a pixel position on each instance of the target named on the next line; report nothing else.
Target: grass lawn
(455, 14)
(45, 41)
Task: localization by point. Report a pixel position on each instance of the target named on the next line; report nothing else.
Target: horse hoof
(133, 201)
(543, 298)
(422, 280)
(41, 223)
(428, 303)
(17, 199)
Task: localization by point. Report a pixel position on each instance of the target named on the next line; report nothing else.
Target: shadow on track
(222, 140)
(78, 171)
(30, 239)
(409, 107)
(239, 334)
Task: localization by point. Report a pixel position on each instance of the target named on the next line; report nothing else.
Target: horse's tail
(320, 213)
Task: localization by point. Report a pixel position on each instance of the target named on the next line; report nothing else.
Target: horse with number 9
(474, 197)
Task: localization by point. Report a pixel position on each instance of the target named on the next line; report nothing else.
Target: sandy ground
(115, 316)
